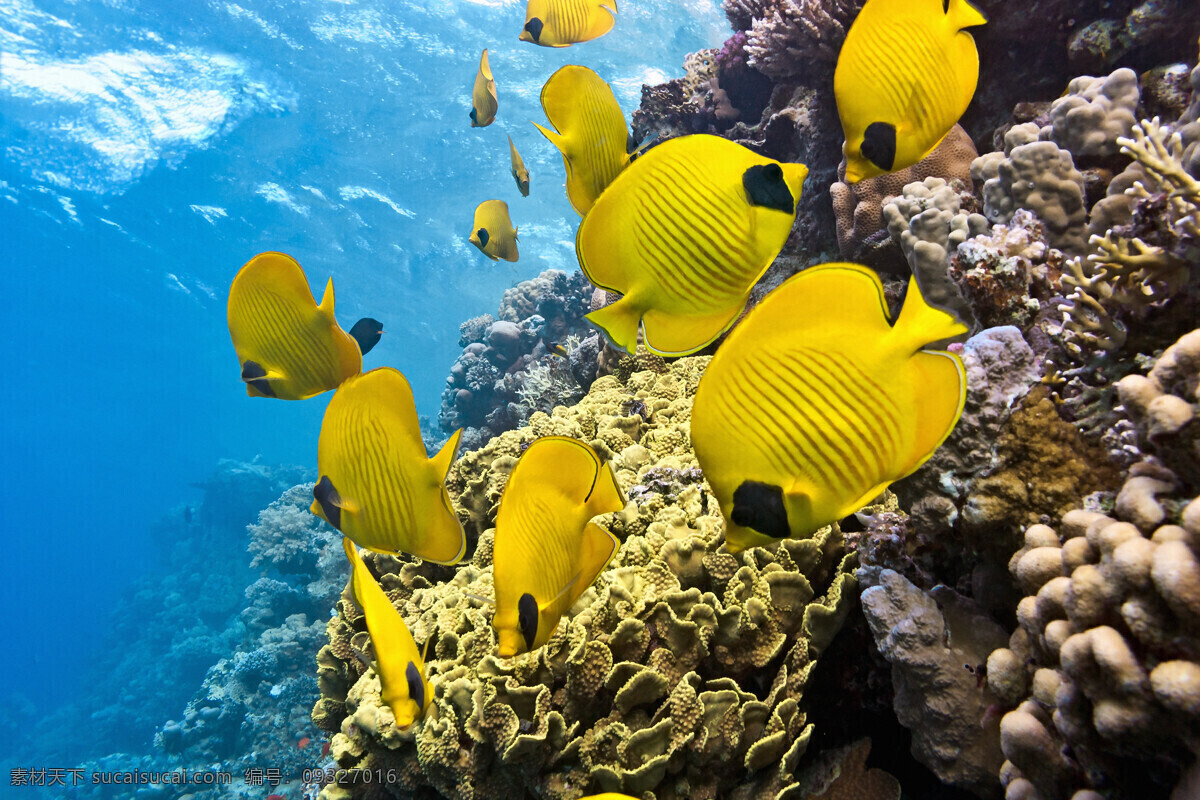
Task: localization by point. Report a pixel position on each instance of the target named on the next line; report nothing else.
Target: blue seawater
(150, 148)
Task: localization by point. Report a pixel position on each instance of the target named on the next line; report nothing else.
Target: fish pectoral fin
(565, 591)
(606, 496)
(677, 335)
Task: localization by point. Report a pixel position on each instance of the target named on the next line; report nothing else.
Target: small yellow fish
(493, 232)
(905, 75)
(398, 662)
(519, 172)
(590, 132)
(377, 485)
(560, 23)
(684, 234)
(608, 796)
(816, 402)
(546, 552)
(483, 95)
(289, 347)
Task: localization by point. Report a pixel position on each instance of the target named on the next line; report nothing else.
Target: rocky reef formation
(533, 357)
(679, 673)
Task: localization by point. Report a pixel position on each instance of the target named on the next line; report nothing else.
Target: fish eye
(773, 172)
(527, 618)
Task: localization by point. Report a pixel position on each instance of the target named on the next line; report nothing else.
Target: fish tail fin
(921, 324)
(961, 14)
(327, 299)
(677, 335)
(555, 137)
(606, 496)
(619, 321)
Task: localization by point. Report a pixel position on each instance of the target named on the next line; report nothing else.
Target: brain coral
(679, 672)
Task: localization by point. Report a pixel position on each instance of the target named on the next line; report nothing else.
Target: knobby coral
(679, 672)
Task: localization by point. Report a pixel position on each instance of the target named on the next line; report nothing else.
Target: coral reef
(936, 654)
(1103, 673)
(1093, 114)
(679, 672)
(859, 208)
(787, 38)
(1038, 176)
(514, 364)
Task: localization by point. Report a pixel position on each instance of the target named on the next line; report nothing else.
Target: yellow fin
(939, 379)
(677, 335)
(619, 321)
(441, 462)
(606, 496)
(920, 324)
(961, 14)
(599, 547)
(327, 299)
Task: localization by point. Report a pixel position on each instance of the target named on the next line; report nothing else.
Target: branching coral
(1136, 271)
(679, 672)
(786, 38)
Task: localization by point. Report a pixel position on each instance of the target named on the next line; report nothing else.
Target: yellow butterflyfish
(519, 172)
(906, 73)
(816, 402)
(376, 483)
(590, 132)
(493, 232)
(546, 552)
(683, 234)
(560, 23)
(290, 347)
(398, 662)
(483, 95)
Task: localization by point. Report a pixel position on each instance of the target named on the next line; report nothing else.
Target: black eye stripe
(416, 686)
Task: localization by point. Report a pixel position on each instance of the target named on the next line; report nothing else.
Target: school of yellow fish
(810, 408)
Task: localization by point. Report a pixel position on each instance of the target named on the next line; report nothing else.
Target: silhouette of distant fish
(493, 232)
(906, 73)
(560, 23)
(546, 552)
(816, 402)
(376, 483)
(288, 346)
(483, 96)
(519, 172)
(683, 234)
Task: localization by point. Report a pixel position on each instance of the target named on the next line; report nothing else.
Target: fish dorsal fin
(962, 14)
(440, 463)
(327, 299)
(568, 466)
(849, 299)
(598, 548)
(485, 66)
(921, 324)
(606, 496)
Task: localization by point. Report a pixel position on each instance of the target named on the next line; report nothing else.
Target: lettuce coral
(680, 672)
